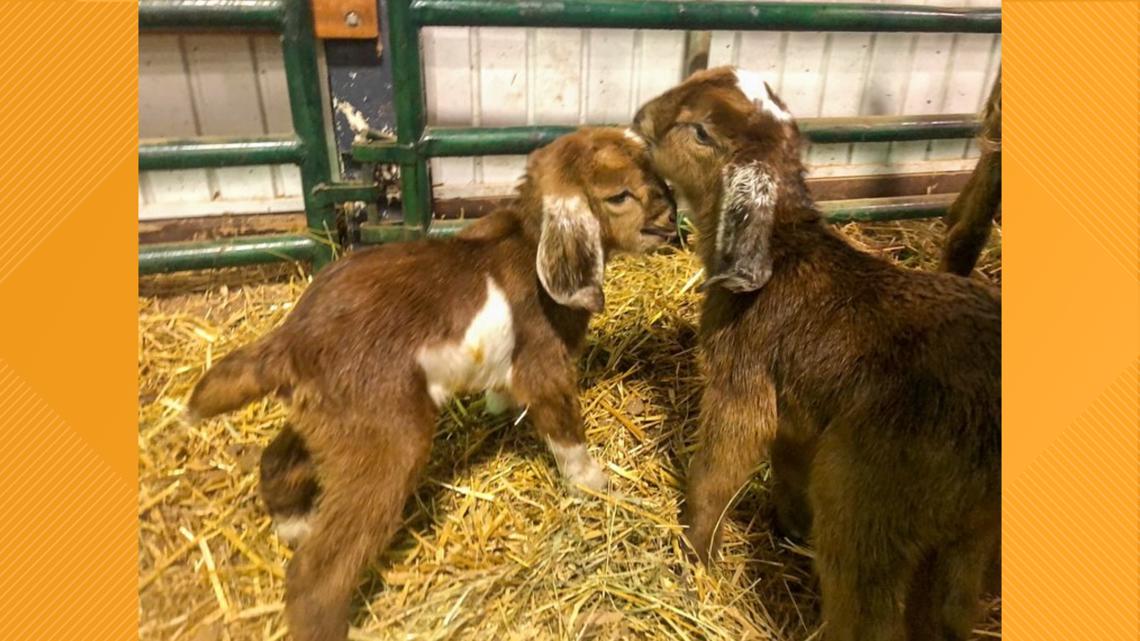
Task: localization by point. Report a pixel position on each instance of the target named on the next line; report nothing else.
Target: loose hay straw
(494, 546)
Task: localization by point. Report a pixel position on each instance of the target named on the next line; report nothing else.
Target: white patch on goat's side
(749, 187)
(293, 529)
(634, 136)
(753, 86)
(578, 466)
(479, 361)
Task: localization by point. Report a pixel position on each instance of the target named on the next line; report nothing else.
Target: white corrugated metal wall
(235, 85)
(214, 84)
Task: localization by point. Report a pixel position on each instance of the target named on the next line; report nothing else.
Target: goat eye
(702, 134)
(618, 199)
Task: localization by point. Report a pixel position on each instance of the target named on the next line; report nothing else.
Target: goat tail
(243, 376)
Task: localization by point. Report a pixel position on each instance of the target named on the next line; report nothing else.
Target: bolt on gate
(416, 143)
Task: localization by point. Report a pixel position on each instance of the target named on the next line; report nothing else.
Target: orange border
(1072, 330)
(68, 138)
(68, 127)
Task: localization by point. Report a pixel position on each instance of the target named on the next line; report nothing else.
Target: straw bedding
(494, 546)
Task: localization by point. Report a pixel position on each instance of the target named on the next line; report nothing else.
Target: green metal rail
(836, 212)
(665, 14)
(416, 143)
(247, 250)
(491, 141)
(269, 15)
(219, 152)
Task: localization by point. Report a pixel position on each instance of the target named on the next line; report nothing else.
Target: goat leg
(736, 428)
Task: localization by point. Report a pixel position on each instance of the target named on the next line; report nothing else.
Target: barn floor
(494, 546)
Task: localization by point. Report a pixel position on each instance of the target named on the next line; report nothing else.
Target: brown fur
(969, 220)
(876, 389)
(346, 357)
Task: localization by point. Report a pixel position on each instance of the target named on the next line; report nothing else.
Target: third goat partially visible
(971, 216)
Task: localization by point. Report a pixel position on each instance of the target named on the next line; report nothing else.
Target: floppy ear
(571, 261)
(744, 229)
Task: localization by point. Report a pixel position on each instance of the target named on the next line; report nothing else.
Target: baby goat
(876, 388)
(381, 339)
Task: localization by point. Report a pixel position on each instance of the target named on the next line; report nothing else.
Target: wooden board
(345, 19)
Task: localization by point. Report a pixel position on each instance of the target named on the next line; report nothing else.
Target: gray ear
(744, 229)
(571, 261)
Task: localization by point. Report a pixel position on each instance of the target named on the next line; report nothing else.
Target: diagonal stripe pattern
(1070, 561)
(68, 114)
(61, 116)
(67, 516)
(1071, 134)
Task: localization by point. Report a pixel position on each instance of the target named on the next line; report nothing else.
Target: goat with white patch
(384, 337)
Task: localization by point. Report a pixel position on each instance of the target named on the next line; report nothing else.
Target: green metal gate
(416, 143)
(307, 147)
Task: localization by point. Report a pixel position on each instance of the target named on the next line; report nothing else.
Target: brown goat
(971, 215)
(877, 389)
(381, 339)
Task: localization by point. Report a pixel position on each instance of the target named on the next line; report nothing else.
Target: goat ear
(571, 261)
(744, 229)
